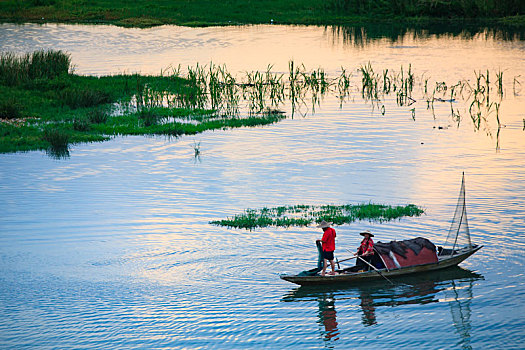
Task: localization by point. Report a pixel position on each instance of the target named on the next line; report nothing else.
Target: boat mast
(461, 211)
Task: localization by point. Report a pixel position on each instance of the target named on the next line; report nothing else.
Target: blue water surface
(112, 247)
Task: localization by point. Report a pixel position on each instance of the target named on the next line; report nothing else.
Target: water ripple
(111, 248)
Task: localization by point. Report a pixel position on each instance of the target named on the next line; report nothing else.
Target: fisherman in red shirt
(328, 241)
(365, 250)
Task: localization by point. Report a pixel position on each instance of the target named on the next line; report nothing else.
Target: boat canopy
(409, 252)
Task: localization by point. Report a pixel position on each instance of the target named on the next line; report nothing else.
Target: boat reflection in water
(452, 285)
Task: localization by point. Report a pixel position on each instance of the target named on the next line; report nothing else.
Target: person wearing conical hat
(328, 242)
(365, 250)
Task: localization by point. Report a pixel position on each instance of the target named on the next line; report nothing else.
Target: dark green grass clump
(304, 215)
(10, 108)
(17, 70)
(57, 138)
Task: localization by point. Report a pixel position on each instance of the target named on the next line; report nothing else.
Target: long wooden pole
(348, 259)
(372, 266)
(376, 270)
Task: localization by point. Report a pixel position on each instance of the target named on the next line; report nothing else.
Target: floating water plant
(304, 215)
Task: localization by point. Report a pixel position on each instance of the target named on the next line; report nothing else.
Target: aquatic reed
(499, 79)
(97, 116)
(57, 138)
(210, 97)
(196, 149)
(515, 83)
(81, 124)
(23, 69)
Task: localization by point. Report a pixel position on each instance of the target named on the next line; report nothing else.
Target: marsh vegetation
(478, 99)
(44, 105)
(304, 215)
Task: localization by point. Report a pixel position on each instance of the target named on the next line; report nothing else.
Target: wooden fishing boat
(399, 258)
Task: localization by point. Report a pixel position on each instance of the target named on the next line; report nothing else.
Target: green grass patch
(10, 108)
(212, 12)
(304, 215)
(44, 105)
(17, 70)
(57, 138)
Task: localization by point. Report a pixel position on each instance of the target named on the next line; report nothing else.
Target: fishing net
(320, 262)
(459, 232)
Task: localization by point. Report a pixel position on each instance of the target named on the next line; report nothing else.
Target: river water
(111, 247)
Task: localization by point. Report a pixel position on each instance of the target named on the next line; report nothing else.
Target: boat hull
(358, 277)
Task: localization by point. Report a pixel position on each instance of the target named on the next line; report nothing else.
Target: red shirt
(367, 246)
(328, 240)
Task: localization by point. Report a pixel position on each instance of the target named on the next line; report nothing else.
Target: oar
(376, 270)
(340, 261)
(348, 259)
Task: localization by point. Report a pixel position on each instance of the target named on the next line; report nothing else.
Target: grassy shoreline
(45, 106)
(196, 13)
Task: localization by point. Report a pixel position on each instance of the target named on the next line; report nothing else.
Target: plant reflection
(362, 36)
(453, 285)
(215, 98)
(58, 153)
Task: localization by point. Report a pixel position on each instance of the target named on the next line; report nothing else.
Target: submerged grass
(482, 96)
(304, 215)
